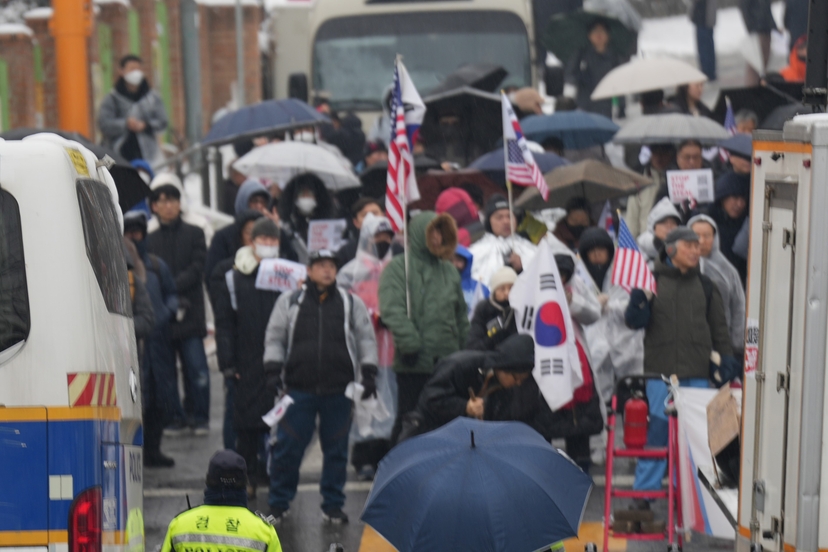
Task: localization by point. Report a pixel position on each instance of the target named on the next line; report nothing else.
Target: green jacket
(683, 329)
(439, 322)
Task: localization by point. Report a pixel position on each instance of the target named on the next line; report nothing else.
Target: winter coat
(730, 184)
(294, 224)
(615, 350)
(227, 241)
(473, 290)
(242, 312)
(490, 324)
(703, 12)
(143, 317)
(182, 247)
(795, 70)
(145, 105)
(161, 288)
(640, 204)
(682, 328)
(439, 321)
(646, 241)
(349, 138)
(340, 314)
(757, 16)
(727, 280)
(490, 251)
(585, 70)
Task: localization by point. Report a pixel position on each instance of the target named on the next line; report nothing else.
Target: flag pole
(512, 225)
(404, 201)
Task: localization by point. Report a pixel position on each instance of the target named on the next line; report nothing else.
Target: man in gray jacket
(132, 115)
(318, 340)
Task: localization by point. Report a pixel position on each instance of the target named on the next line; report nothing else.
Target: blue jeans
(196, 379)
(292, 438)
(707, 51)
(649, 473)
(227, 429)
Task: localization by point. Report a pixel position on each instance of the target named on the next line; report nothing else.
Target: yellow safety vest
(220, 529)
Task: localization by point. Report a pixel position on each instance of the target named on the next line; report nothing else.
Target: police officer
(223, 522)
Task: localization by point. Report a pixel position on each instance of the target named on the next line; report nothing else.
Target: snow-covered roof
(39, 13)
(124, 3)
(15, 29)
(228, 3)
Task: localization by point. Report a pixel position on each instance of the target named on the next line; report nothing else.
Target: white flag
(539, 302)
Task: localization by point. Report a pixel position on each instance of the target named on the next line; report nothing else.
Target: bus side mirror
(298, 86)
(553, 78)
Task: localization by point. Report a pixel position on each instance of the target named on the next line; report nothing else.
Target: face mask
(306, 205)
(576, 230)
(305, 136)
(134, 77)
(382, 249)
(266, 251)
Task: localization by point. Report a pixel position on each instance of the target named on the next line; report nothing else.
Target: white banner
(541, 310)
(326, 234)
(697, 185)
(280, 275)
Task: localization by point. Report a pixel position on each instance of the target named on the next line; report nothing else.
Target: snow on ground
(676, 36)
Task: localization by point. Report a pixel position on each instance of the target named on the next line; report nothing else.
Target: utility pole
(239, 53)
(71, 26)
(191, 62)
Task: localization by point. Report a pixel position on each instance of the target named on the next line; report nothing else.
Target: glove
(410, 359)
(729, 369)
(273, 370)
(369, 381)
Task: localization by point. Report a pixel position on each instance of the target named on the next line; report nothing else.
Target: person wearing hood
(187, 214)
(458, 203)
(473, 291)
(663, 219)
(132, 115)
(223, 521)
(715, 266)
(578, 218)
(436, 323)
(181, 246)
(616, 351)
(795, 70)
(242, 311)
(465, 382)
(361, 208)
(685, 333)
(303, 199)
(500, 246)
(730, 212)
(159, 384)
(361, 277)
(494, 320)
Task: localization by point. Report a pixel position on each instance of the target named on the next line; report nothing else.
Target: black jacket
(227, 241)
(585, 70)
(319, 361)
(487, 319)
(183, 248)
(240, 332)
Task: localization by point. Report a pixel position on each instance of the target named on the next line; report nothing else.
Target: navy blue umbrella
(576, 129)
(262, 118)
(472, 485)
(494, 166)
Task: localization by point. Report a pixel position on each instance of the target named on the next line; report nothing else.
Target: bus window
(104, 245)
(15, 319)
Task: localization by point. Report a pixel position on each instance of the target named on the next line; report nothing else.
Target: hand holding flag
(630, 269)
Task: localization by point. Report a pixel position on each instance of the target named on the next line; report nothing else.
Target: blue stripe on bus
(24, 478)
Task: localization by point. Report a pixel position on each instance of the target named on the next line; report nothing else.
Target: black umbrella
(483, 76)
(776, 120)
(131, 187)
(462, 124)
(759, 99)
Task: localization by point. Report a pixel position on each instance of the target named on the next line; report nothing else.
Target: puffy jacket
(439, 321)
(795, 70)
(182, 247)
(360, 341)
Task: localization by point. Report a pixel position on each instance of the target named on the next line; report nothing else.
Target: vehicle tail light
(85, 522)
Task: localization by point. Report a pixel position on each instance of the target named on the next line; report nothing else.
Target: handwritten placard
(280, 275)
(694, 185)
(326, 234)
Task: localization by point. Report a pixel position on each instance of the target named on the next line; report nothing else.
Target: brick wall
(218, 57)
(17, 50)
(178, 115)
(45, 96)
(148, 32)
(115, 15)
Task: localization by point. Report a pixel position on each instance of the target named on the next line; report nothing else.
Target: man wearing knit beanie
(500, 246)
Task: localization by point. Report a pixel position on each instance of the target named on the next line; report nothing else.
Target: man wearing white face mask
(241, 312)
(133, 115)
(303, 199)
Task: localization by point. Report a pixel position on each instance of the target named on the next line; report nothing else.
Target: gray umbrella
(621, 10)
(671, 128)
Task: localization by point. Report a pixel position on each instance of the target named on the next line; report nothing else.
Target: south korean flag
(538, 299)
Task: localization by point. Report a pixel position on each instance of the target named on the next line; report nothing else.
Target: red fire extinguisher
(636, 421)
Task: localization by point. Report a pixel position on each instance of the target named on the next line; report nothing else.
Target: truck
(70, 397)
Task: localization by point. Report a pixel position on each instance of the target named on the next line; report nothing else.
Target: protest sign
(694, 185)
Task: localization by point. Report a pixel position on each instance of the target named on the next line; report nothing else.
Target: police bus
(70, 416)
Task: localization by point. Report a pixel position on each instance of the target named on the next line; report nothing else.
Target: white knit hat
(504, 275)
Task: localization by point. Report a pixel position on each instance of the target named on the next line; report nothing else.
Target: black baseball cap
(321, 255)
(227, 470)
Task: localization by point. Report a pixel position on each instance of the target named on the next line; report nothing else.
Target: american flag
(521, 168)
(631, 270)
(730, 127)
(407, 110)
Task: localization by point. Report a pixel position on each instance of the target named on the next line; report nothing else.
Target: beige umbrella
(594, 180)
(642, 75)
